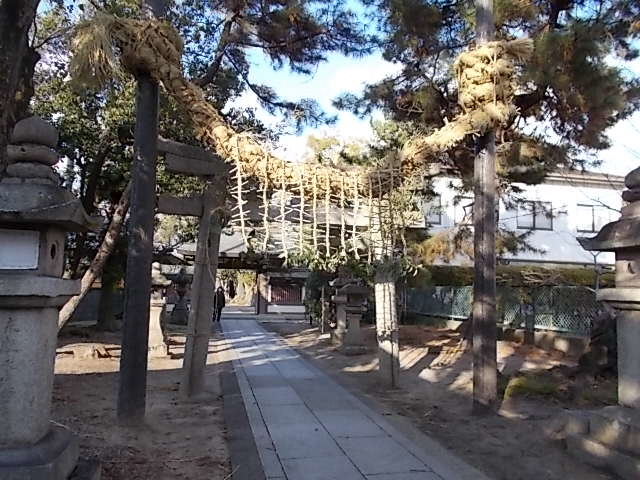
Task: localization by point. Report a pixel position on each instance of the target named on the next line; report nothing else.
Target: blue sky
(338, 75)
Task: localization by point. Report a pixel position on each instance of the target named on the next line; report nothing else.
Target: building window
(286, 294)
(535, 216)
(433, 211)
(591, 218)
(463, 213)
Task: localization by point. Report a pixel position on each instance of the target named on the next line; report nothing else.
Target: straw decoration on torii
(304, 208)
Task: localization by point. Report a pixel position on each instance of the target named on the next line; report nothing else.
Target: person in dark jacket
(219, 302)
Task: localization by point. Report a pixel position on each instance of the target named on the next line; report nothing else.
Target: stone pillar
(263, 294)
(387, 328)
(623, 238)
(349, 301)
(354, 334)
(157, 306)
(339, 333)
(35, 213)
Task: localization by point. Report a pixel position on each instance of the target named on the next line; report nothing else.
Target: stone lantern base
(53, 458)
(608, 438)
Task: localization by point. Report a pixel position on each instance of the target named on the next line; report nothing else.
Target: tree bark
(88, 200)
(106, 314)
(485, 372)
(387, 328)
(98, 262)
(17, 62)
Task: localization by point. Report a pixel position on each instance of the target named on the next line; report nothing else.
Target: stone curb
(245, 460)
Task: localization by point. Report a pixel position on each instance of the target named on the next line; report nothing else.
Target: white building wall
(558, 245)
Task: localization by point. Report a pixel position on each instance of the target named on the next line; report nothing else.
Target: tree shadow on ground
(435, 394)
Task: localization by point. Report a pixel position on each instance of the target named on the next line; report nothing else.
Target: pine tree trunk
(485, 368)
(387, 328)
(17, 62)
(97, 265)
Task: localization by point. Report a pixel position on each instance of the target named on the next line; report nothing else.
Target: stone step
(599, 455)
(616, 427)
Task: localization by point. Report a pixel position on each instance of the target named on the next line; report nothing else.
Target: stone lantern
(157, 312)
(180, 313)
(35, 214)
(349, 301)
(623, 238)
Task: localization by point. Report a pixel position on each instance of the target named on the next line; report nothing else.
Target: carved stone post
(35, 213)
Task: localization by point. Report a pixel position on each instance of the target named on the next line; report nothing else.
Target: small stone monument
(349, 302)
(180, 313)
(35, 214)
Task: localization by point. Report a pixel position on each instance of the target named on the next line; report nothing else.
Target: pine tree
(573, 89)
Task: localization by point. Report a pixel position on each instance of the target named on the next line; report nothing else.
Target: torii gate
(208, 206)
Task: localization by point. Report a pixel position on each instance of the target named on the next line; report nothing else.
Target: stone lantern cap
(157, 277)
(30, 192)
(624, 233)
(354, 289)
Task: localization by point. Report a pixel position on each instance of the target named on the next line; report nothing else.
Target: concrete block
(52, 458)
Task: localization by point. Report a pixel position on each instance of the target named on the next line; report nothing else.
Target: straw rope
(107, 47)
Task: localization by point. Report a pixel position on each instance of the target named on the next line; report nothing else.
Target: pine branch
(214, 67)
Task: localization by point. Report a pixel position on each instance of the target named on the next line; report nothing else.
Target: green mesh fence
(564, 309)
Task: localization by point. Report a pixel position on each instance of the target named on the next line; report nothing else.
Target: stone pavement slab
(380, 455)
(405, 476)
(348, 423)
(280, 395)
(308, 427)
(324, 468)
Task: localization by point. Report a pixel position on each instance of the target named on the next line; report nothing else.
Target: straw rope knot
(486, 86)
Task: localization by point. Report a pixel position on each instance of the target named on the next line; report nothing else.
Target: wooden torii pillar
(208, 206)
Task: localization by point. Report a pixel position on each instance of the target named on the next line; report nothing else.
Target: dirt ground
(179, 440)
(435, 392)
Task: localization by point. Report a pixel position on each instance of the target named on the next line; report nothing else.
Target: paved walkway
(307, 427)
